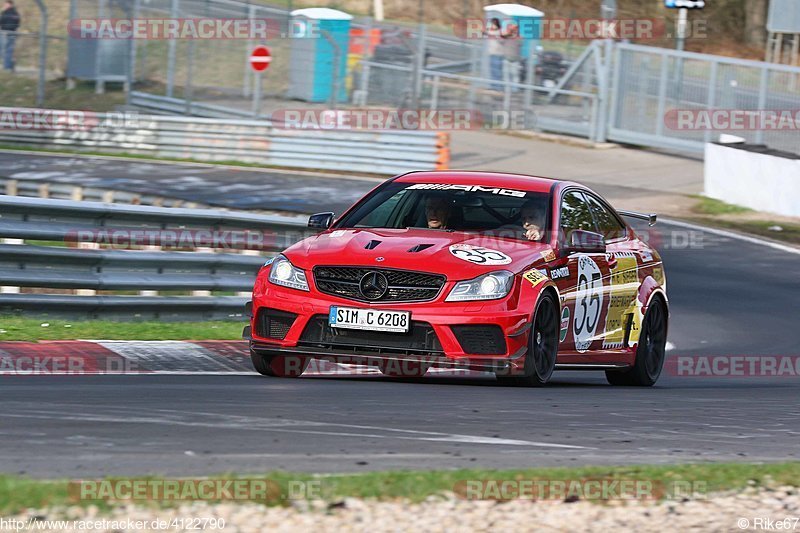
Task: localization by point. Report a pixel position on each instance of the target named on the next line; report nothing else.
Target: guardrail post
(203, 251)
(435, 93)
(6, 289)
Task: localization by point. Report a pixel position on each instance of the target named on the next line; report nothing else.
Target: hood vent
(372, 244)
(419, 248)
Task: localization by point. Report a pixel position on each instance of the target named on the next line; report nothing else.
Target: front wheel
(279, 366)
(540, 361)
(650, 352)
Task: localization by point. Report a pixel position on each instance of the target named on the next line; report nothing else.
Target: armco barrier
(212, 139)
(98, 274)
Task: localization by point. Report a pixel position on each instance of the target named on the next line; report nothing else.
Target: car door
(622, 320)
(581, 279)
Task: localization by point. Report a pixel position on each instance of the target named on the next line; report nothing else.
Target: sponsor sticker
(336, 233)
(479, 255)
(535, 276)
(468, 188)
(588, 302)
(549, 255)
(558, 273)
(647, 256)
(622, 300)
(564, 324)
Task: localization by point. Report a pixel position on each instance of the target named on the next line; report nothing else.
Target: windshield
(504, 212)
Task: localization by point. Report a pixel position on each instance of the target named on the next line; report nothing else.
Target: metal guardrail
(260, 142)
(46, 272)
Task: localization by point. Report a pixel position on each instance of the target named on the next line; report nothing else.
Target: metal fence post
(662, 94)
(419, 65)
(171, 51)
(188, 90)
(762, 100)
(42, 53)
(604, 78)
(711, 97)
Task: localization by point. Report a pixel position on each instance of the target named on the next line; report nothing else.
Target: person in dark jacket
(9, 24)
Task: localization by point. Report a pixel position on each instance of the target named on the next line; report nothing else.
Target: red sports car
(510, 274)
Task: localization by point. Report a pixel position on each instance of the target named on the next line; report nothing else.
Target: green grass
(711, 206)
(28, 329)
(17, 493)
(20, 91)
(719, 214)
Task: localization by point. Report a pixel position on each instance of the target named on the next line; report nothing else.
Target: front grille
(481, 340)
(420, 340)
(404, 285)
(273, 323)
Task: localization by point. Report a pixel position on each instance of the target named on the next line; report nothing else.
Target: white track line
(733, 235)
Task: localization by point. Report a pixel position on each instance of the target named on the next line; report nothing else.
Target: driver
(437, 212)
(532, 218)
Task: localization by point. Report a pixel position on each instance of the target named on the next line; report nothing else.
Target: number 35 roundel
(479, 255)
(588, 302)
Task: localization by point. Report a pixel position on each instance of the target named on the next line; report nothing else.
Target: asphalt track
(728, 297)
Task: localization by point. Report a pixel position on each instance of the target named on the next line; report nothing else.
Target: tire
(403, 369)
(650, 352)
(279, 366)
(540, 360)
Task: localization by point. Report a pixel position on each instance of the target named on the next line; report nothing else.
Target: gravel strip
(720, 512)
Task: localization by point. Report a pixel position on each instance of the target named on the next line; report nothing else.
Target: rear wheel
(540, 361)
(279, 366)
(650, 352)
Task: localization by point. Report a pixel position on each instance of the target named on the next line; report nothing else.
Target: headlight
(489, 286)
(286, 274)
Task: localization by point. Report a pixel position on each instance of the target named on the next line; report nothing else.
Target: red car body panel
(599, 324)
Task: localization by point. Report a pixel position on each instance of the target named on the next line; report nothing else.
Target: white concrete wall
(758, 181)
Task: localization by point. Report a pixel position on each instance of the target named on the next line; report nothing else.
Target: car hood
(414, 249)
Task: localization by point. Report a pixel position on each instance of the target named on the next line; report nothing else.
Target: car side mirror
(586, 242)
(320, 220)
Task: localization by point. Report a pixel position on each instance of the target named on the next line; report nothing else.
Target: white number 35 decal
(479, 255)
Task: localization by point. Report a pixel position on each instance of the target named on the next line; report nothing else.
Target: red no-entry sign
(260, 58)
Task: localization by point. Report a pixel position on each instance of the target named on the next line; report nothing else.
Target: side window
(607, 223)
(575, 214)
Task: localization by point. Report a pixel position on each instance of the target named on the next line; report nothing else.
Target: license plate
(369, 319)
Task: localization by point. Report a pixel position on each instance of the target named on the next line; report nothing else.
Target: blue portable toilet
(529, 21)
(312, 55)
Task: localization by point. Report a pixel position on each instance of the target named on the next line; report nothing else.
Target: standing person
(512, 54)
(495, 52)
(9, 24)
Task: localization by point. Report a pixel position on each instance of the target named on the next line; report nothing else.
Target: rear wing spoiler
(651, 218)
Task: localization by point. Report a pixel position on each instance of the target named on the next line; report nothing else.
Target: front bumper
(483, 335)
